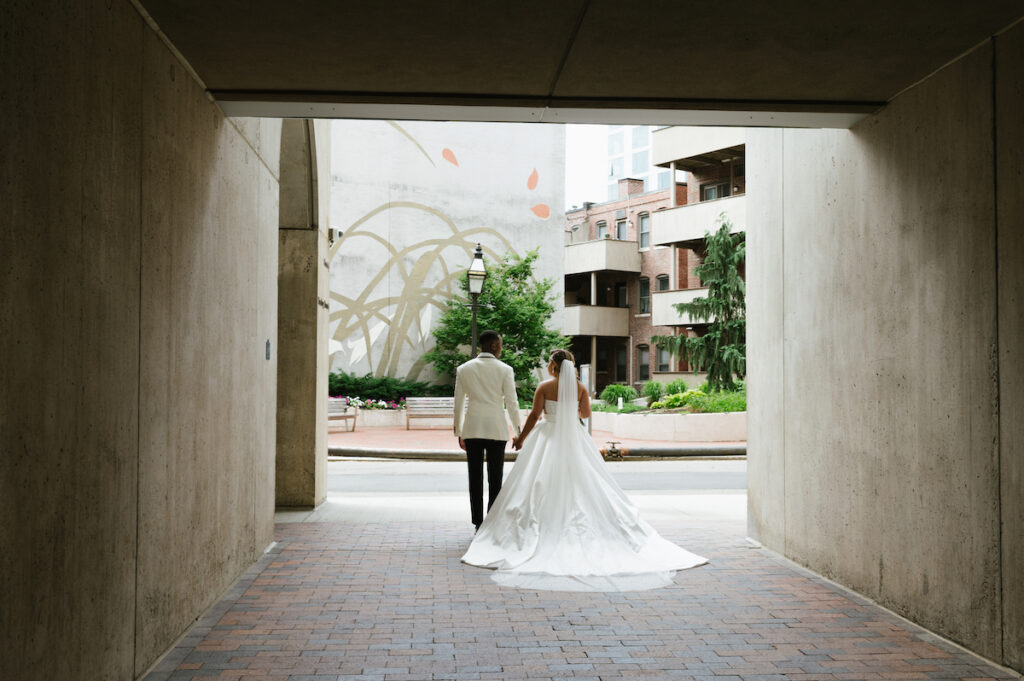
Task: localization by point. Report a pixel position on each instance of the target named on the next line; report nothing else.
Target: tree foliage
(512, 303)
(722, 351)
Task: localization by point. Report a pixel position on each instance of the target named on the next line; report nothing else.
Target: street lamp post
(475, 280)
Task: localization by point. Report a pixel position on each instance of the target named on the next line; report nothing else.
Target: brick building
(629, 260)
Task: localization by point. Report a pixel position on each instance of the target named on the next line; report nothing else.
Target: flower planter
(727, 427)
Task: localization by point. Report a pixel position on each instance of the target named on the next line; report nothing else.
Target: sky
(585, 157)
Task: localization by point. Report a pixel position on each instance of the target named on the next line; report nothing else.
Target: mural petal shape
(449, 156)
(531, 183)
(541, 210)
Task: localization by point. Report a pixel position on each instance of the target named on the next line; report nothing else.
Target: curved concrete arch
(301, 458)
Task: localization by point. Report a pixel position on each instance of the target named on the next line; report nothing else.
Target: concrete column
(672, 185)
(301, 462)
(593, 364)
(674, 268)
(593, 288)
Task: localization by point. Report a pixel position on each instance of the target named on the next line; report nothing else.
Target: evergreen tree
(512, 303)
(722, 351)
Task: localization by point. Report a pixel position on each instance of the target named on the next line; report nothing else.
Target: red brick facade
(632, 208)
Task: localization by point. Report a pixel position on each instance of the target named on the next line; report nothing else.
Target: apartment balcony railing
(595, 320)
(664, 314)
(686, 225)
(602, 254)
(692, 148)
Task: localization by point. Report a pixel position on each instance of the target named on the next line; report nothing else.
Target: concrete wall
(413, 199)
(303, 276)
(885, 351)
(137, 262)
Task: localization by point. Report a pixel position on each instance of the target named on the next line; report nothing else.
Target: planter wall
(727, 427)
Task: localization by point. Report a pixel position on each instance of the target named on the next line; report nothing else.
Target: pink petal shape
(449, 156)
(541, 210)
(532, 182)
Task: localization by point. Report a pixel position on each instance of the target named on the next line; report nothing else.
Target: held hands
(462, 444)
(517, 443)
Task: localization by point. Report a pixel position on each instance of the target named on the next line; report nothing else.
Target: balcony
(595, 320)
(686, 225)
(664, 314)
(696, 148)
(602, 254)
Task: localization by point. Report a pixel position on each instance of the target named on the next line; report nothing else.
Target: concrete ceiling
(728, 62)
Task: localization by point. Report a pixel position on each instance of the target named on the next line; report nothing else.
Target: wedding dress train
(562, 523)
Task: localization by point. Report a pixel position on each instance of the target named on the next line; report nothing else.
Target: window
(640, 161)
(645, 230)
(644, 361)
(615, 143)
(613, 191)
(663, 179)
(641, 136)
(645, 295)
(620, 364)
(621, 297)
(621, 230)
(709, 192)
(662, 282)
(602, 229)
(616, 168)
(663, 360)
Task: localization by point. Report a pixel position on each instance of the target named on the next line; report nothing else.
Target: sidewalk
(442, 439)
(390, 601)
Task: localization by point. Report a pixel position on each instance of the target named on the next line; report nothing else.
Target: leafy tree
(722, 352)
(512, 303)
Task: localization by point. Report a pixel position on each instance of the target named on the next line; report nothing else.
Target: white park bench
(428, 408)
(338, 410)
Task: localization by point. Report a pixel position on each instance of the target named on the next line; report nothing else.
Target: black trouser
(475, 450)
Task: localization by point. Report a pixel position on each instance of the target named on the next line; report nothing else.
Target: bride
(561, 522)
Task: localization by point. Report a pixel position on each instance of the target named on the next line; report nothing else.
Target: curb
(639, 452)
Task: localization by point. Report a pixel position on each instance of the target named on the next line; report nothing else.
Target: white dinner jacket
(489, 386)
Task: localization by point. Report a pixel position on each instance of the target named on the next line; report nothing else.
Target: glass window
(663, 179)
(640, 161)
(709, 192)
(664, 363)
(602, 229)
(615, 143)
(662, 282)
(644, 360)
(645, 295)
(616, 168)
(621, 297)
(645, 230)
(613, 191)
(641, 136)
(620, 364)
(621, 230)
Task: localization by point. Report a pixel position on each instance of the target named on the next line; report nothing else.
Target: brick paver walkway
(376, 602)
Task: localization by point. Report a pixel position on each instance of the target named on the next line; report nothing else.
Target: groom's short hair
(489, 338)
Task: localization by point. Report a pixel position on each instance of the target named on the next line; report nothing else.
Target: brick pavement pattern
(391, 601)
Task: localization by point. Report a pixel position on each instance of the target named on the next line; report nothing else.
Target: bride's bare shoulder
(546, 388)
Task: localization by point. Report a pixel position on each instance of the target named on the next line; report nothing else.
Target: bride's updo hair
(558, 355)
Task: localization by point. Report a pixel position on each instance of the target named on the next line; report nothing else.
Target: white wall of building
(413, 199)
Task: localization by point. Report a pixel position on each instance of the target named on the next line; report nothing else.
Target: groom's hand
(462, 444)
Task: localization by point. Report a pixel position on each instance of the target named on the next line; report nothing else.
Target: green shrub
(722, 401)
(382, 387)
(613, 392)
(653, 390)
(626, 408)
(676, 387)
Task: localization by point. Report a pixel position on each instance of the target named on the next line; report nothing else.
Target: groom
(489, 385)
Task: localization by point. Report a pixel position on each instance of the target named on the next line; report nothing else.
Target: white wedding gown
(562, 523)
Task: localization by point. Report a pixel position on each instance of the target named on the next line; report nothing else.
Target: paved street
(388, 476)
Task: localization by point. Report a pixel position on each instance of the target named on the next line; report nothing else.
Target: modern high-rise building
(630, 155)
